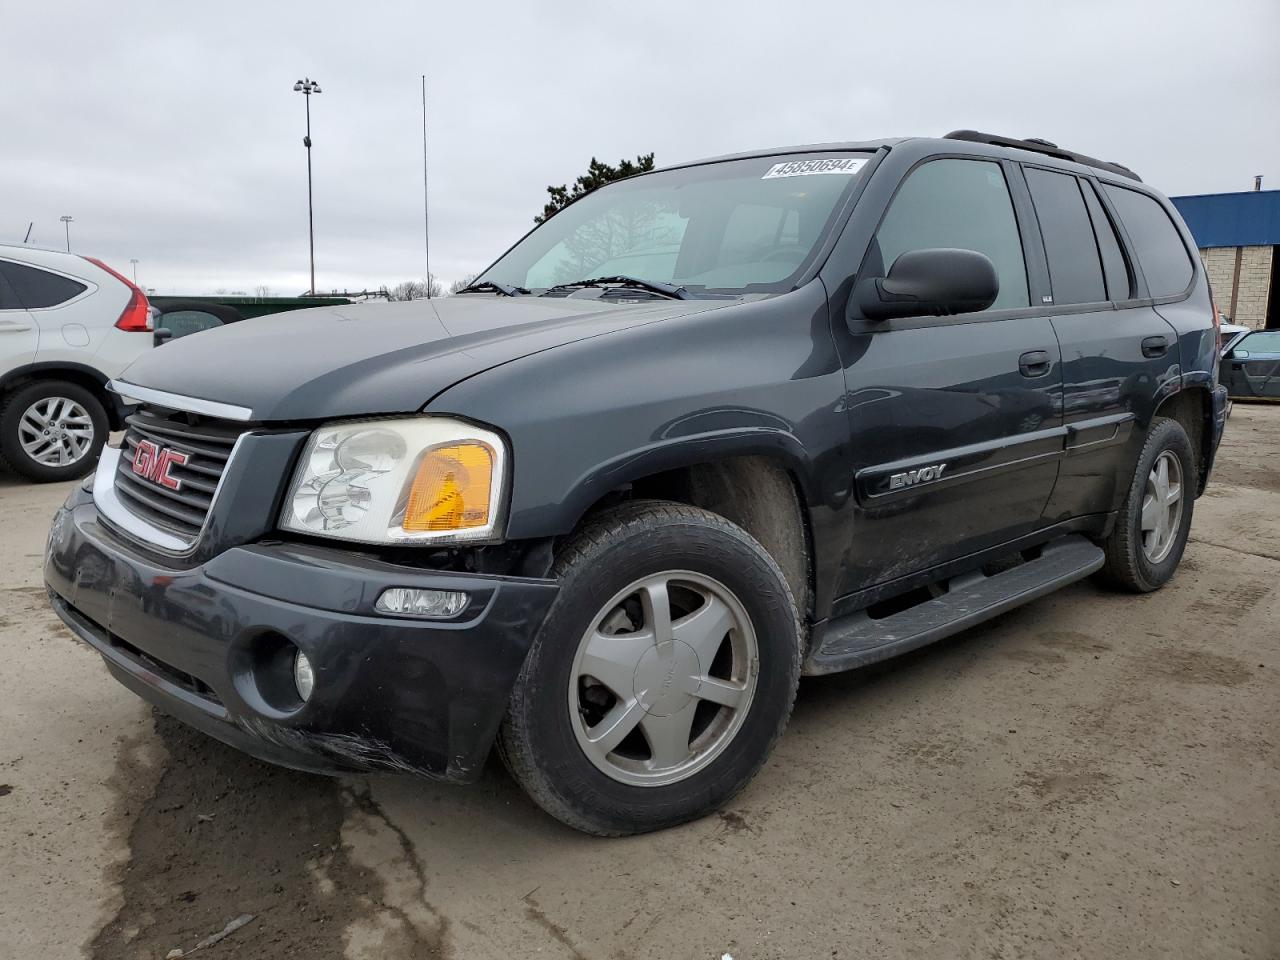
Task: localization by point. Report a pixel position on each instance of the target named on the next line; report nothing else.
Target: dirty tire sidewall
(1127, 565)
(14, 404)
(538, 743)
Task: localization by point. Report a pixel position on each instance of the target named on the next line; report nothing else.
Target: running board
(858, 639)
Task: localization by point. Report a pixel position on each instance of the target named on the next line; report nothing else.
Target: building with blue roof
(1239, 239)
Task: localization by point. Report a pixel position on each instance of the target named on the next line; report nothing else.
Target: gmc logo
(152, 462)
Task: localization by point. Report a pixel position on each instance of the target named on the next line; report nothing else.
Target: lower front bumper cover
(398, 694)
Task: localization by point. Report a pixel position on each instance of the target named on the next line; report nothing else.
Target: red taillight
(136, 316)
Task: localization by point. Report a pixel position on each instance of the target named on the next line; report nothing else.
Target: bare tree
(262, 290)
(462, 283)
(415, 289)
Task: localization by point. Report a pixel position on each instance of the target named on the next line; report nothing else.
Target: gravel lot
(1093, 775)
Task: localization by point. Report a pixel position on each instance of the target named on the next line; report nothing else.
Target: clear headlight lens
(393, 481)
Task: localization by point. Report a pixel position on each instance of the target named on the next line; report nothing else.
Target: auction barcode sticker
(806, 168)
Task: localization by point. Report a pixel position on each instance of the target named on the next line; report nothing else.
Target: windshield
(741, 226)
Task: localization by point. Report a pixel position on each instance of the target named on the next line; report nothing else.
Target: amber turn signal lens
(451, 489)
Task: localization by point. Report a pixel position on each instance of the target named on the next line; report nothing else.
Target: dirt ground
(1093, 775)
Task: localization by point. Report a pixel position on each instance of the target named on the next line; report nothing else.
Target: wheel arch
(762, 492)
(80, 374)
(1192, 407)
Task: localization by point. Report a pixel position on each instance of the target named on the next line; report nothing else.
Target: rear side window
(1114, 268)
(955, 203)
(1075, 268)
(183, 323)
(37, 288)
(1156, 241)
(8, 300)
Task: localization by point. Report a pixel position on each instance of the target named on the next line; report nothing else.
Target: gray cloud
(172, 134)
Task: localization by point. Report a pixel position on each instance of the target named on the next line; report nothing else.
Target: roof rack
(1036, 145)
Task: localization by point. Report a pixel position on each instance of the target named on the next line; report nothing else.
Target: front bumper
(204, 644)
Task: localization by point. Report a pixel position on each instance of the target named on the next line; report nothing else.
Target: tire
(1131, 562)
(80, 415)
(709, 566)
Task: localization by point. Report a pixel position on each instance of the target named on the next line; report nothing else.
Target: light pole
(133, 260)
(66, 222)
(307, 87)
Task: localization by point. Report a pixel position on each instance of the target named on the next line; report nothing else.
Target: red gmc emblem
(152, 462)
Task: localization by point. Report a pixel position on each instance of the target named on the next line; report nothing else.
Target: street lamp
(66, 222)
(307, 87)
(134, 261)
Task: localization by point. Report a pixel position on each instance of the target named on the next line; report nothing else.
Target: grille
(207, 443)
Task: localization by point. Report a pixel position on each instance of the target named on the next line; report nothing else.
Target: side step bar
(858, 639)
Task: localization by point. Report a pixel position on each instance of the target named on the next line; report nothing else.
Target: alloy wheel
(1162, 507)
(56, 432)
(663, 678)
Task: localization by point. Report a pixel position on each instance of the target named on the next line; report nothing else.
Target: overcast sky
(171, 132)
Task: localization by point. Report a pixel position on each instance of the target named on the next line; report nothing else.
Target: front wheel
(1152, 527)
(662, 676)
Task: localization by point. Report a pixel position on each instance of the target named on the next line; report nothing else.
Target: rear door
(19, 335)
(1252, 366)
(955, 422)
(1119, 356)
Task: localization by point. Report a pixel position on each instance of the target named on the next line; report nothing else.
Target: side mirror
(930, 283)
(162, 336)
(1239, 355)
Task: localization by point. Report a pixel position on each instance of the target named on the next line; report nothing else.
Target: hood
(374, 358)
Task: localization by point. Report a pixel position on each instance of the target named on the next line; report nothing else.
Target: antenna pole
(426, 223)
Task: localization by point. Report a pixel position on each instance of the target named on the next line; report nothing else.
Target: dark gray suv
(704, 431)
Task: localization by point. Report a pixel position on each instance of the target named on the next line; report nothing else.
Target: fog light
(304, 677)
(410, 602)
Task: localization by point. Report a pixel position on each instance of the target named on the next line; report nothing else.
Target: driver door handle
(1034, 363)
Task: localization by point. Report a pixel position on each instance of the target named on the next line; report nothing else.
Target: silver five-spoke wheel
(663, 678)
(1162, 507)
(56, 431)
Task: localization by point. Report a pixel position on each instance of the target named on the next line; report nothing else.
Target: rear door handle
(1034, 363)
(13, 326)
(1155, 347)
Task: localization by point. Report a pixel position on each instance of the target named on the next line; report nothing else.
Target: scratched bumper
(204, 645)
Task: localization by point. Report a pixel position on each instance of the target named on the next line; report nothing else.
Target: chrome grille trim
(176, 401)
(112, 507)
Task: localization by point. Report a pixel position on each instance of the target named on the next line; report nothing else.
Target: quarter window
(39, 288)
(963, 204)
(1075, 268)
(1161, 253)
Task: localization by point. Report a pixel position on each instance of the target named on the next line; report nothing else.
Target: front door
(1252, 367)
(954, 422)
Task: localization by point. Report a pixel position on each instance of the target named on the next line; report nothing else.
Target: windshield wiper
(653, 286)
(493, 286)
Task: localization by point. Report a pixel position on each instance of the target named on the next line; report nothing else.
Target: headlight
(420, 479)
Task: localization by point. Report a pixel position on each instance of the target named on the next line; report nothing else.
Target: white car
(68, 325)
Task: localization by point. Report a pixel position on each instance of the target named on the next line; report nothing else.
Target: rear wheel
(1151, 531)
(52, 430)
(662, 676)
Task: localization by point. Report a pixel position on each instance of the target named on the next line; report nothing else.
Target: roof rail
(1036, 145)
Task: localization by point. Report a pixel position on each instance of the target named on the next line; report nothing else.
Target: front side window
(1267, 341)
(1156, 241)
(1075, 268)
(37, 288)
(739, 226)
(963, 204)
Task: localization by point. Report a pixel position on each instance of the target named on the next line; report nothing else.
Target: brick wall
(1255, 282)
